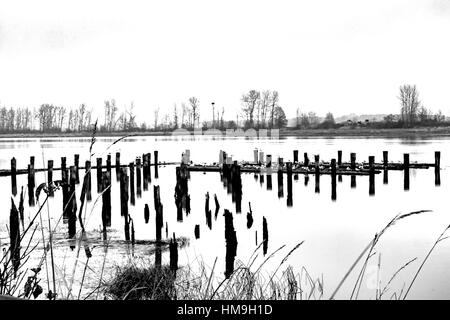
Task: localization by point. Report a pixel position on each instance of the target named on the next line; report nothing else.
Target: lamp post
(213, 123)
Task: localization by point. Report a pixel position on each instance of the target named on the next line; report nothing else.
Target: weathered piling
(50, 178)
(106, 202)
(305, 159)
(249, 216)
(230, 244)
(385, 176)
(155, 155)
(317, 173)
(333, 179)
(437, 168)
(437, 159)
(352, 161)
(197, 231)
(146, 169)
(13, 177)
(173, 253)
(132, 196)
(385, 159)
(181, 190)
(406, 171)
(265, 236)
(295, 156)
(167, 230)
(159, 212)
(353, 181)
(146, 213)
(280, 183)
(99, 175)
(88, 180)
(118, 171)
(14, 237)
(32, 170)
(255, 156)
(108, 168)
(72, 204)
(138, 178)
(31, 200)
(124, 201)
(372, 175)
(76, 163)
(289, 184)
(339, 161)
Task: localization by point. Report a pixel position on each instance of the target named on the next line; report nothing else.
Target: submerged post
(317, 173)
(138, 178)
(118, 171)
(156, 163)
(437, 168)
(437, 159)
(295, 156)
(31, 201)
(88, 181)
(371, 175)
(132, 197)
(333, 179)
(106, 202)
(99, 175)
(72, 204)
(385, 159)
(76, 163)
(50, 178)
(339, 158)
(289, 184)
(13, 177)
(353, 161)
(406, 171)
(306, 159)
(124, 202)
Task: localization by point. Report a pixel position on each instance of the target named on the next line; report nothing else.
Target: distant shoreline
(284, 133)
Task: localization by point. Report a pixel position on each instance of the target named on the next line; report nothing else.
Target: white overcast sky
(347, 56)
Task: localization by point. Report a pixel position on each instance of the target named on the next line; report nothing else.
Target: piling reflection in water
(230, 243)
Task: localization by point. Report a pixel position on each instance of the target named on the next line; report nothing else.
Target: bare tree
(194, 102)
(273, 104)
(410, 104)
(249, 102)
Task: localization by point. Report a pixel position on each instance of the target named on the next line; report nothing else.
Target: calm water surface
(335, 232)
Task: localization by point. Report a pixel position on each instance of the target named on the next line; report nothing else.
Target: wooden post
(173, 249)
(124, 202)
(76, 163)
(31, 201)
(132, 197)
(13, 177)
(371, 175)
(280, 183)
(65, 189)
(333, 179)
(106, 202)
(32, 170)
(306, 159)
(295, 156)
(159, 212)
(317, 173)
(437, 159)
(289, 184)
(72, 204)
(145, 170)
(339, 163)
(99, 175)
(255, 157)
(353, 161)
(385, 159)
(156, 163)
(406, 171)
(14, 237)
(118, 171)
(88, 182)
(138, 178)
(50, 178)
(108, 168)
